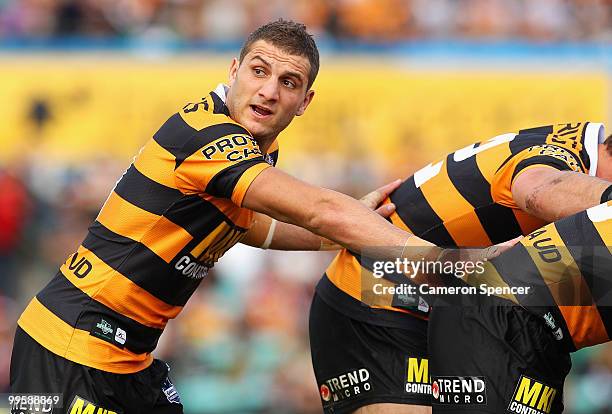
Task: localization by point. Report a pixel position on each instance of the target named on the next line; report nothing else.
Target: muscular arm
(324, 212)
(284, 236)
(551, 194)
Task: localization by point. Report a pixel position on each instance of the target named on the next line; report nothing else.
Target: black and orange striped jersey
(170, 217)
(568, 267)
(465, 200)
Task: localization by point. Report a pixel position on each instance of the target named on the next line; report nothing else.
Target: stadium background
(84, 83)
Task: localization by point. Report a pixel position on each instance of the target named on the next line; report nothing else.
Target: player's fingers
(500, 248)
(386, 210)
(373, 199)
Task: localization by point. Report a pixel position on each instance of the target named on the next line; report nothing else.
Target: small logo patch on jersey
(531, 396)
(108, 331)
(82, 406)
(417, 376)
(459, 390)
(345, 386)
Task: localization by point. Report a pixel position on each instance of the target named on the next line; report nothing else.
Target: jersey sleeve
(545, 155)
(224, 163)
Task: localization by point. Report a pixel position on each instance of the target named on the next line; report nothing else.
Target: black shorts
(35, 370)
(494, 357)
(357, 363)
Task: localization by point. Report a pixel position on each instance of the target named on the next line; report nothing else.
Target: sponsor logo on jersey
(232, 148)
(104, 327)
(559, 153)
(531, 397)
(459, 390)
(190, 267)
(417, 376)
(345, 386)
(82, 406)
(108, 331)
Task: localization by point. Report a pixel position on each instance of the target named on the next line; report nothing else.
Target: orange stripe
(166, 239)
(563, 278)
(159, 234)
(124, 218)
(119, 293)
(245, 181)
(241, 217)
(156, 163)
(347, 275)
(489, 160)
(77, 345)
(585, 325)
(458, 215)
(528, 222)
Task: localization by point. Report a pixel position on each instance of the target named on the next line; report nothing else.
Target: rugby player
(518, 346)
(192, 192)
(483, 194)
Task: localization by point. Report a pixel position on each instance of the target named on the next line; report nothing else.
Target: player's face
(268, 89)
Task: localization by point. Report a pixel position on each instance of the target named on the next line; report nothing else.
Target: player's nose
(270, 89)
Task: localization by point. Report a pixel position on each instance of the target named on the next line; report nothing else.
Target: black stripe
(181, 140)
(79, 310)
(141, 265)
(145, 193)
(526, 140)
(517, 269)
(498, 222)
(174, 134)
(414, 210)
(541, 160)
(593, 259)
(223, 183)
(196, 215)
(542, 130)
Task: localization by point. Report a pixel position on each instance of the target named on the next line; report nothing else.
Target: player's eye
(259, 72)
(289, 83)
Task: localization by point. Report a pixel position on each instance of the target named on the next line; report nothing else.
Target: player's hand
(373, 199)
(495, 250)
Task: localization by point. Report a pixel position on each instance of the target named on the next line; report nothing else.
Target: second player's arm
(551, 194)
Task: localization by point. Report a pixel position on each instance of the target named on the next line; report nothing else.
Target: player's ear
(233, 71)
(307, 100)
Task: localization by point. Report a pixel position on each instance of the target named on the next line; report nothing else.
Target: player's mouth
(260, 111)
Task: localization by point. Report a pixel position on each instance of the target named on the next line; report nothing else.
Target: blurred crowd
(366, 20)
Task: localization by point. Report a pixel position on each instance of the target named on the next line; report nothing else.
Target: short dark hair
(608, 144)
(290, 37)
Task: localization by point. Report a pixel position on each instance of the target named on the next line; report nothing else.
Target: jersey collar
(593, 136)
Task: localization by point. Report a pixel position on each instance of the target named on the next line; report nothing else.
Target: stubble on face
(267, 89)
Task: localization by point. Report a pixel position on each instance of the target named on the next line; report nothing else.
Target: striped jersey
(465, 200)
(568, 267)
(171, 216)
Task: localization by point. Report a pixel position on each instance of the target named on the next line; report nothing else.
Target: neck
(264, 143)
(604, 163)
